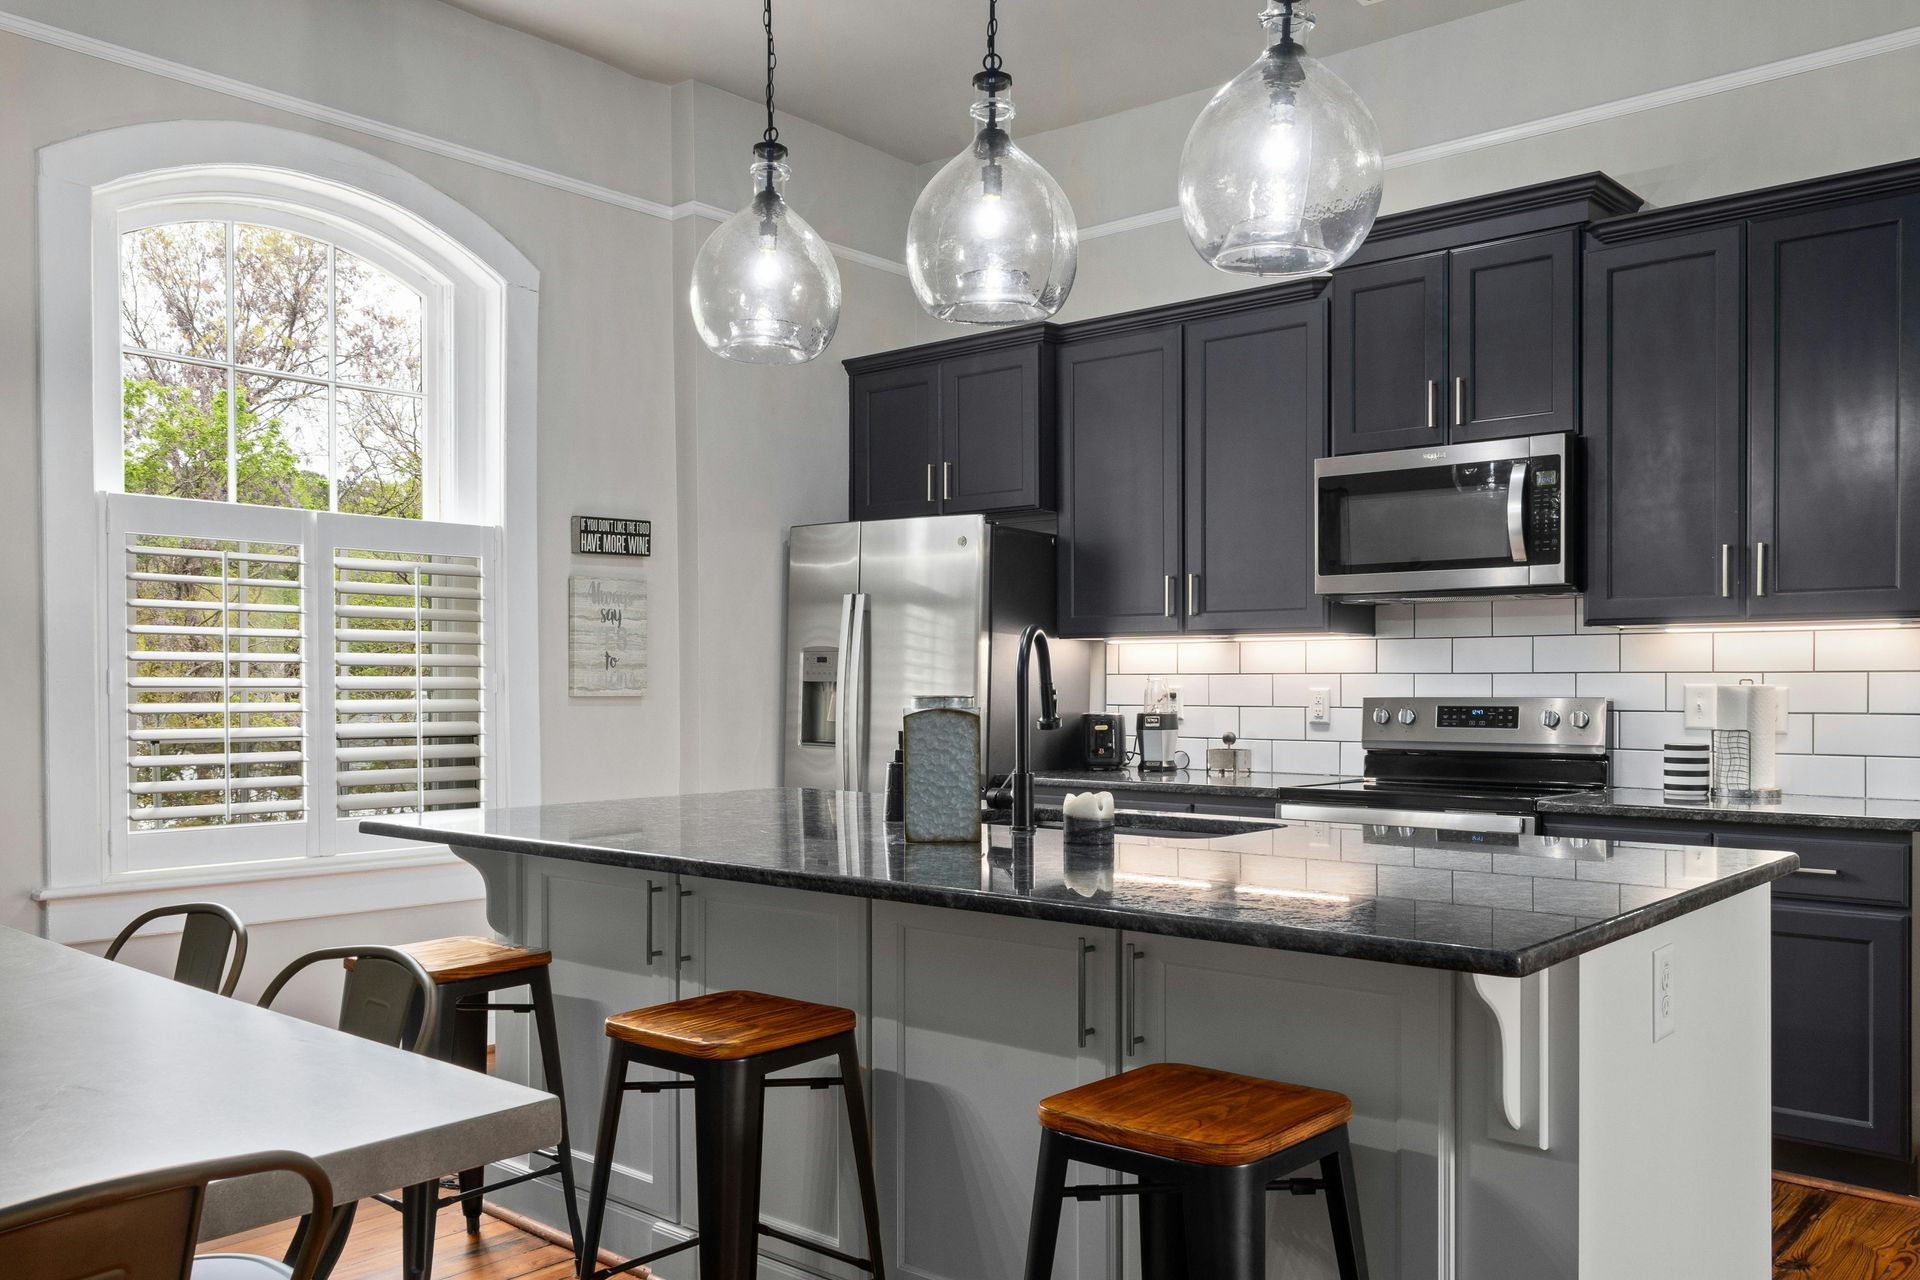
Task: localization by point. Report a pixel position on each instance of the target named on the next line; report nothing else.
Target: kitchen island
(1488, 1002)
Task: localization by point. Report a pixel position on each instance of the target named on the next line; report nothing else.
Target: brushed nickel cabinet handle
(680, 922)
(946, 480)
(1759, 568)
(1815, 871)
(1726, 570)
(653, 952)
(1134, 1039)
(1084, 1031)
(1169, 596)
(1433, 392)
(1193, 595)
(1459, 400)
(929, 482)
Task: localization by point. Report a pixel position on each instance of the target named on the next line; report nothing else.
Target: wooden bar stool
(465, 972)
(727, 1044)
(1206, 1147)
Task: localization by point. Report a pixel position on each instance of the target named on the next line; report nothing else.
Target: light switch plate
(1663, 992)
(1699, 706)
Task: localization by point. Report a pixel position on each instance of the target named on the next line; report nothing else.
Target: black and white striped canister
(1687, 771)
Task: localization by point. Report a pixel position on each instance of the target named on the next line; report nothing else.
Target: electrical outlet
(1699, 706)
(1317, 705)
(1663, 992)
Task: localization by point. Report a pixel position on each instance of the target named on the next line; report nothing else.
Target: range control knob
(1408, 715)
(1551, 719)
(1580, 719)
(1381, 715)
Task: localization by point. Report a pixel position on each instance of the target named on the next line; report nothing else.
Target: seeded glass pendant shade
(1281, 172)
(765, 288)
(992, 239)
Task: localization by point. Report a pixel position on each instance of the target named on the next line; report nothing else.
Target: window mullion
(322, 739)
(233, 416)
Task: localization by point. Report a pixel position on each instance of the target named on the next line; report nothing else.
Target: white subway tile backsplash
(1297, 691)
(1534, 616)
(1653, 730)
(1576, 653)
(1207, 656)
(1113, 658)
(1241, 691)
(1453, 618)
(1666, 651)
(1273, 655)
(1209, 722)
(1823, 775)
(1677, 682)
(1630, 690)
(1132, 689)
(1355, 690)
(1810, 691)
(1338, 656)
(1273, 722)
(1343, 723)
(1353, 760)
(1639, 769)
(1415, 655)
(1493, 653)
(1394, 621)
(1798, 738)
(1888, 691)
(1545, 684)
(1147, 659)
(1894, 778)
(1871, 649)
(1873, 735)
(1447, 685)
(1318, 755)
(1763, 651)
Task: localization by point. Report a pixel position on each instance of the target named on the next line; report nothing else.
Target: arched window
(299, 455)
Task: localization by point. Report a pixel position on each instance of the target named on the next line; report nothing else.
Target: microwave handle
(1517, 512)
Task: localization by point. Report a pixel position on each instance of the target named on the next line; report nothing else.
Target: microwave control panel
(1543, 512)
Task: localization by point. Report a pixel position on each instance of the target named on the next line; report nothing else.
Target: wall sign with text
(606, 636)
(612, 536)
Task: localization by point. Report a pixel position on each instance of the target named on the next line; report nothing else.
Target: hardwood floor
(1821, 1231)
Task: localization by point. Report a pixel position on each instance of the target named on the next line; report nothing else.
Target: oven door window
(1440, 517)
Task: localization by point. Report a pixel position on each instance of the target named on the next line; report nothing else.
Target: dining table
(107, 1070)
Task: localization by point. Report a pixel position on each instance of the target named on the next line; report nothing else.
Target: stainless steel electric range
(1460, 764)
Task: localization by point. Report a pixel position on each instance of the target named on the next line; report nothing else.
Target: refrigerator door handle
(853, 695)
(843, 692)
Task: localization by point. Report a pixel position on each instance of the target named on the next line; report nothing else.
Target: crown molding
(246, 91)
(1045, 333)
(1861, 184)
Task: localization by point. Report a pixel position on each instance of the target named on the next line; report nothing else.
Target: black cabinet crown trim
(1218, 304)
(1498, 215)
(1860, 184)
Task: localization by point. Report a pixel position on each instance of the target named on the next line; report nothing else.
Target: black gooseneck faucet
(1033, 638)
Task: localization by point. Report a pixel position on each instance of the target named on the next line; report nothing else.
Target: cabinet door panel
(1120, 484)
(1510, 350)
(1255, 421)
(990, 433)
(808, 946)
(1834, 340)
(1389, 354)
(1663, 337)
(896, 443)
(1839, 1027)
(975, 1019)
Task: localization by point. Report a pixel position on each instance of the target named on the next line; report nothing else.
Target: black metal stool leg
(729, 1110)
(1163, 1243)
(418, 1205)
(615, 1093)
(468, 1045)
(854, 1095)
(543, 1024)
(1237, 1199)
(1343, 1209)
(1043, 1230)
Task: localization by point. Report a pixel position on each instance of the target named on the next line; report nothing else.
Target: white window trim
(86, 186)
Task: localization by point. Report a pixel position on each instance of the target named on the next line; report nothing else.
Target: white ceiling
(893, 73)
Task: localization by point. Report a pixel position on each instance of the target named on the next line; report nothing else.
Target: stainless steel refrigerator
(882, 611)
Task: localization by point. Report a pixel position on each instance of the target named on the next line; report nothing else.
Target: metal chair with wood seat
(144, 1227)
(467, 971)
(388, 998)
(208, 934)
(728, 1044)
(1206, 1147)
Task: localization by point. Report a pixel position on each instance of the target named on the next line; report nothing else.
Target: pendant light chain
(772, 133)
(992, 61)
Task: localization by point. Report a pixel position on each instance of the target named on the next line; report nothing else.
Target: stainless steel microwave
(1494, 517)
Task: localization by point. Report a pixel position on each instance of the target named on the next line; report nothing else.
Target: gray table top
(1485, 903)
(106, 1070)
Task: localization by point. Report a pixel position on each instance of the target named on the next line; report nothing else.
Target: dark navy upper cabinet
(1834, 411)
(955, 428)
(1389, 354)
(1513, 324)
(1665, 457)
(1120, 492)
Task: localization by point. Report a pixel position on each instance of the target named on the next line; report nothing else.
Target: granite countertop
(1191, 782)
(1788, 811)
(1498, 904)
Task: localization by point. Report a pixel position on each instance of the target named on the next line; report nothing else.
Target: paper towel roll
(1733, 707)
(1765, 715)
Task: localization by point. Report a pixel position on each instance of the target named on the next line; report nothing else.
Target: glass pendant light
(765, 288)
(1281, 172)
(992, 239)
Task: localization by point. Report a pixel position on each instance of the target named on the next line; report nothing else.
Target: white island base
(1653, 1163)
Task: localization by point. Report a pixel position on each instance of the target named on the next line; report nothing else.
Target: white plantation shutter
(409, 681)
